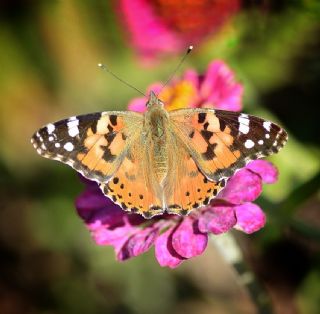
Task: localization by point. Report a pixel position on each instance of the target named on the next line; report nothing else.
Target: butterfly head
(154, 101)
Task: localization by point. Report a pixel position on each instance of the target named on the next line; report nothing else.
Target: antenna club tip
(190, 48)
(102, 66)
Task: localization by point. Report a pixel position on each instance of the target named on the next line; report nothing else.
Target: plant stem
(231, 252)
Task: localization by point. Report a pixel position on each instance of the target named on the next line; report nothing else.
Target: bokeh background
(49, 52)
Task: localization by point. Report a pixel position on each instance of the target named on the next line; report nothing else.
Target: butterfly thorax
(156, 122)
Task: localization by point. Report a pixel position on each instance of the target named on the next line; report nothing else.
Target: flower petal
(250, 217)
(158, 27)
(217, 219)
(267, 171)
(187, 240)
(116, 237)
(155, 87)
(138, 243)
(243, 186)
(138, 104)
(220, 88)
(165, 253)
(193, 77)
(94, 208)
(149, 34)
(108, 224)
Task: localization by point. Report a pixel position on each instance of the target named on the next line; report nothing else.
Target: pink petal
(250, 217)
(217, 219)
(149, 34)
(243, 186)
(107, 223)
(220, 88)
(115, 237)
(193, 77)
(267, 171)
(96, 209)
(87, 202)
(165, 253)
(187, 240)
(139, 243)
(138, 104)
(155, 87)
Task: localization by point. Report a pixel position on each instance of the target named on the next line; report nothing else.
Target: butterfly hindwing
(134, 186)
(93, 144)
(186, 187)
(222, 142)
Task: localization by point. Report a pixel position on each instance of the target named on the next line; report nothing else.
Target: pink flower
(165, 26)
(179, 238)
(217, 88)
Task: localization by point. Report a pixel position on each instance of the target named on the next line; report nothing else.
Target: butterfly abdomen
(160, 164)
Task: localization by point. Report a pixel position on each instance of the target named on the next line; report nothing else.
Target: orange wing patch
(209, 142)
(134, 189)
(188, 188)
(218, 139)
(104, 147)
(102, 150)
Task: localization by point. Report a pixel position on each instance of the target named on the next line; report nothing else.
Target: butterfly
(159, 161)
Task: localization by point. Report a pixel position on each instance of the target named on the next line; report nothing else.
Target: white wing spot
(57, 145)
(50, 138)
(260, 142)
(43, 146)
(50, 128)
(279, 133)
(267, 135)
(39, 137)
(275, 143)
(243, 123)
(73, 129)
(248, 144)
(267, 125)
(68, 146)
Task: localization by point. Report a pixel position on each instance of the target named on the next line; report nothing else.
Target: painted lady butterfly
(159, 161)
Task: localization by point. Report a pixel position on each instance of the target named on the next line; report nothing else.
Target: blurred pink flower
(217, 88)
(166, 26)
(179, 238)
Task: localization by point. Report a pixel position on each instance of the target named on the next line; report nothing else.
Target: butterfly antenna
(103, 67)
(176, 69)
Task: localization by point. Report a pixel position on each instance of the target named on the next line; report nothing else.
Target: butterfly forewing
(222, 142)
(93, 144)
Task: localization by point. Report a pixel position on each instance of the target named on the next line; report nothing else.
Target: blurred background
(49, 51)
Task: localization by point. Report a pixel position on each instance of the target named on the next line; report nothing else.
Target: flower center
(179, 95)
(194, 18)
